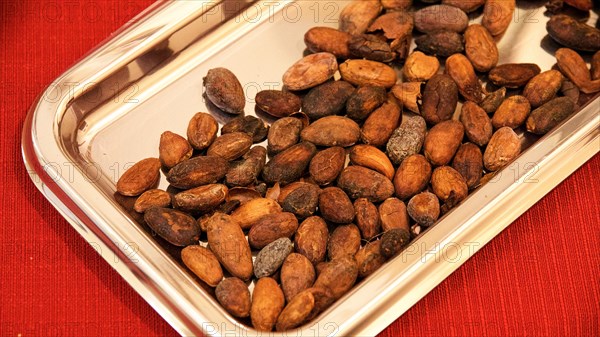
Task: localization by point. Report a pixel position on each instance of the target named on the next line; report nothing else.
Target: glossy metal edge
(369, 307)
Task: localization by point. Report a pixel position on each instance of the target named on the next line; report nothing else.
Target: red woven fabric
(540, 277)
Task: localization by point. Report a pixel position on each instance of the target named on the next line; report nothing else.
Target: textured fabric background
(540, 277)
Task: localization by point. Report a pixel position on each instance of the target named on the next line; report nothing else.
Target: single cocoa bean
(224, 90)
(311, 239)
(234, 296)
(424, 208)
(344, 240)
(512, 112)
(335, 206)
(203, 263)
(504, 146)
(481, 48)
(326, 39)
(407, 139)
(176, 227)
(367, 218)
(497, 15)
(461, 70)
(441, 43)
(290, 164)
(310, 71)
(139, 178)
(549, 115)
(513, 75)
(361, 182)
(392, 214)
(477, 124)
(442, 141)
(202, 130)
(277, 103)
(439, 99)
(326, 99)
(468, 161)
(412, 176)
(198, 171)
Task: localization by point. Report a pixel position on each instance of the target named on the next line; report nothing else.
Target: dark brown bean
(202, 130)
(302, 199)
(441, 17)
(283, 134)
(250, 125)
(371, 47)
(327, 165)
(441, 43)
(478, 126)
(272, 227)
(367, 218)
(549, 115)
(440, 98)
(224, 90)
(139, 178)
(412, 176)
(392, 214)
(326, 39)
(198, 171)
(442, 141)
(573, 34)
(513, 75)
(234, 296)
(277, 103)
(393, 240)
(361, 182)
(176, 227)
(311, 239)
(364, 100)
(335, 206)
(246, 171)
(512, 112)
(492, 101)
(344, 240)
(326, 99)
(468, 161)
(424, 208)
(289, 165)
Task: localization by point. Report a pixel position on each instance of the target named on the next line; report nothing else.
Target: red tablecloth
(540, 277)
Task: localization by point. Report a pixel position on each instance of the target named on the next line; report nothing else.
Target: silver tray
(108, 111)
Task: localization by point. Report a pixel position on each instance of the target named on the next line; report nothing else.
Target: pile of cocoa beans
(360, 162)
